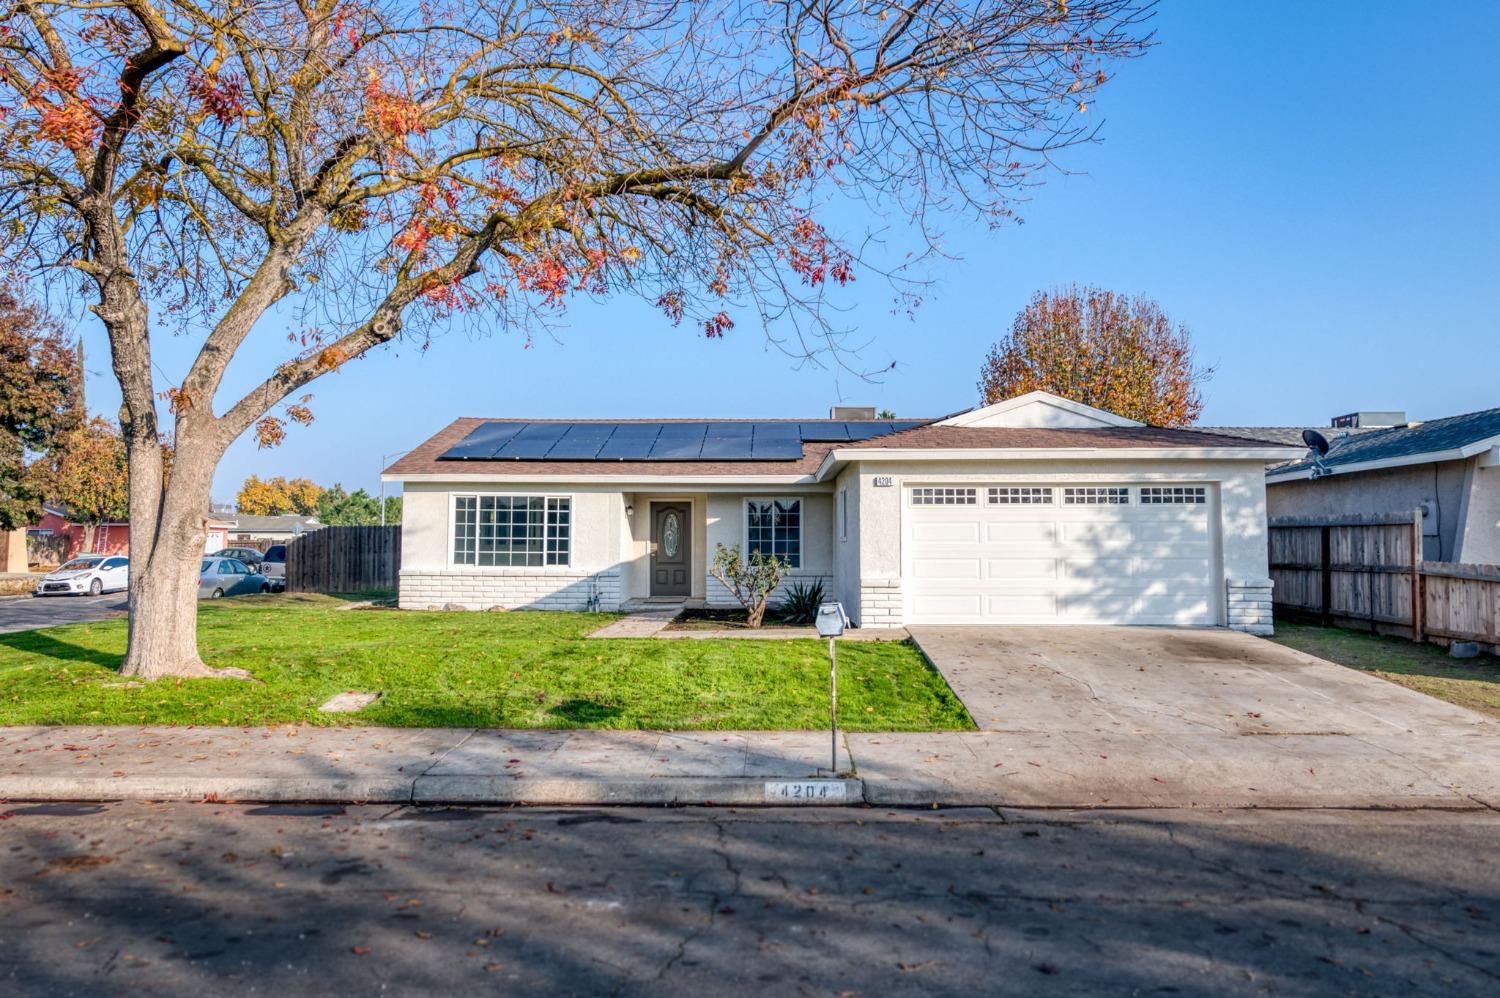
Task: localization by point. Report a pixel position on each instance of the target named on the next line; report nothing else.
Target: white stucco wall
(726, 525)
(1481, 525)
(594, 575)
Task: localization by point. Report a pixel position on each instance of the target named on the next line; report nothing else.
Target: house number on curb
(806, 791)
(884, 481)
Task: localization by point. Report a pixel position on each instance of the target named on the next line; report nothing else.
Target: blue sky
(1313, 189)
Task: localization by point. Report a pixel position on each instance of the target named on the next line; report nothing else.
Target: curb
(454, 789)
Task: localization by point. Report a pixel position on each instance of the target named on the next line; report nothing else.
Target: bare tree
(375, 167)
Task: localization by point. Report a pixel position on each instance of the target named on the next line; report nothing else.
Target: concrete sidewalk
(402, 765)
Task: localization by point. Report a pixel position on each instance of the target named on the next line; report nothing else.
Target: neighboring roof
(1452, 438)
(287, 522)
(1289, 436)
(423, 460)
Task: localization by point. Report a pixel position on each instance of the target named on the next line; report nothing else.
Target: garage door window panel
(1011, 495)
(1174, 495)
(1096, 496)
(926, 496)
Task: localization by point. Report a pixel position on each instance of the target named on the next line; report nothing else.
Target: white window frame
(745, 502)
(454, 563)
(1028, 495)
(944, 492)
(1097, 495)
(1173, 495)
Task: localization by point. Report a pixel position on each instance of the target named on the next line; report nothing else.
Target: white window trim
(745, 502)
(457, 566)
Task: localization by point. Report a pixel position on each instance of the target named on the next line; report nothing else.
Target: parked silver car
(91, 573)
(229, 577)
(274, 566)
(250, 557)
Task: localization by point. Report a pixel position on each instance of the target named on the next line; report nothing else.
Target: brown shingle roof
(423, 459)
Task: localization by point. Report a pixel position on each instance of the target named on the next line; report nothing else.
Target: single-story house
(1036, 510)
(279, 529)
(57, 537)
(1379, 463)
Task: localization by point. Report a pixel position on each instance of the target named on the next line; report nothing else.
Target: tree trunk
(164, 576)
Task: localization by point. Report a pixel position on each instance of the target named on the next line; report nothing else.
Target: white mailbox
(832, 620)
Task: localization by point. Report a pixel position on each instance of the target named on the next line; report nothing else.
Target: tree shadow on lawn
(584, 712)
(39, 643)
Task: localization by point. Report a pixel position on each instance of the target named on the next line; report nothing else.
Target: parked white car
(273, 566)
(91, 573)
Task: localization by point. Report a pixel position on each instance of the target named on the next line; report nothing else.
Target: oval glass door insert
(669, 535)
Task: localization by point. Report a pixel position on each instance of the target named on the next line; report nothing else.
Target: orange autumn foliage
(1112, 351)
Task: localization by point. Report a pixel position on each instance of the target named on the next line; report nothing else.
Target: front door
(671, 555)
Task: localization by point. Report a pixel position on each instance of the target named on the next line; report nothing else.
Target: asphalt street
(27, 613)
(214, 899)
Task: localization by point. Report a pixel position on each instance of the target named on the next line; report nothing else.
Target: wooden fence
(1367, 571)
(343, 560)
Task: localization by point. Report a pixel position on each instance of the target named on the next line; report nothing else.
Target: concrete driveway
(27, 613)
(1111, 716)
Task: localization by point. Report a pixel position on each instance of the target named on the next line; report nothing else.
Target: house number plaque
(884, 481)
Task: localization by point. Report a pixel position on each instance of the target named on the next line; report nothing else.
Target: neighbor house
(1380, 463)
(247, 529)
(58, 537)
(1036, 510)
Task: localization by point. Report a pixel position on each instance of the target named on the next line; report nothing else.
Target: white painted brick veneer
(513, 589)
(1250, 606)
(719, 596)
(880, 603)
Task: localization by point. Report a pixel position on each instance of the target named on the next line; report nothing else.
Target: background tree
(1102, 349)
(278, 496)
(85, 470)
(355, 509)
(383, 166)
(41, 396)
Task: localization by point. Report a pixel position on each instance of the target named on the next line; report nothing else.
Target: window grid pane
(944, 497)
(1093, 496)
(1164, 495)
(775, 528)
(1022, 496)
(508, 531)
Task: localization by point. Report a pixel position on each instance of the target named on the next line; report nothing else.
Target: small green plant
(800, 605)
(751, 580)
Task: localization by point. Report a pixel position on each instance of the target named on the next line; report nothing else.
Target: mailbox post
(831, 623)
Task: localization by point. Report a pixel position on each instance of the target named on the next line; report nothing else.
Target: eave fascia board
(836, 457)
(1463, 453)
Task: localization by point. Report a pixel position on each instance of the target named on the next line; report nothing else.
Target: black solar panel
(582, 442)
(679, 442)
(482, 441)
(630, 442)
(708, 441)
(776, 442)
(825, 432)
(533, 442)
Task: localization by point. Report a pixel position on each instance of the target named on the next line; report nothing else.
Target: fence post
(1416, 578)
(1325, 574)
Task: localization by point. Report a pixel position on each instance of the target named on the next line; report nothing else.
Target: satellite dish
(1318, 444)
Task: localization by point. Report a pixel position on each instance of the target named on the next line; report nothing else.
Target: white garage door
(1028, 554)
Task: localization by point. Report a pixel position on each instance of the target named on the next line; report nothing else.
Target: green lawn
(514, 670)
(1472, 683)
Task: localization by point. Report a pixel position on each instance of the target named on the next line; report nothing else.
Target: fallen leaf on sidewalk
(359, 950)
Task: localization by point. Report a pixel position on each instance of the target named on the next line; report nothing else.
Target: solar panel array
(696, 441)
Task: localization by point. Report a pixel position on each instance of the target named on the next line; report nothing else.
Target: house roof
(424, 459)
(286, 522)
(1448, 439)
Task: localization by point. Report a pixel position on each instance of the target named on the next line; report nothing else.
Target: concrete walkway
(396, 765)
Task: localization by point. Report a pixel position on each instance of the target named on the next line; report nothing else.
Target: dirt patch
(727, 620)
